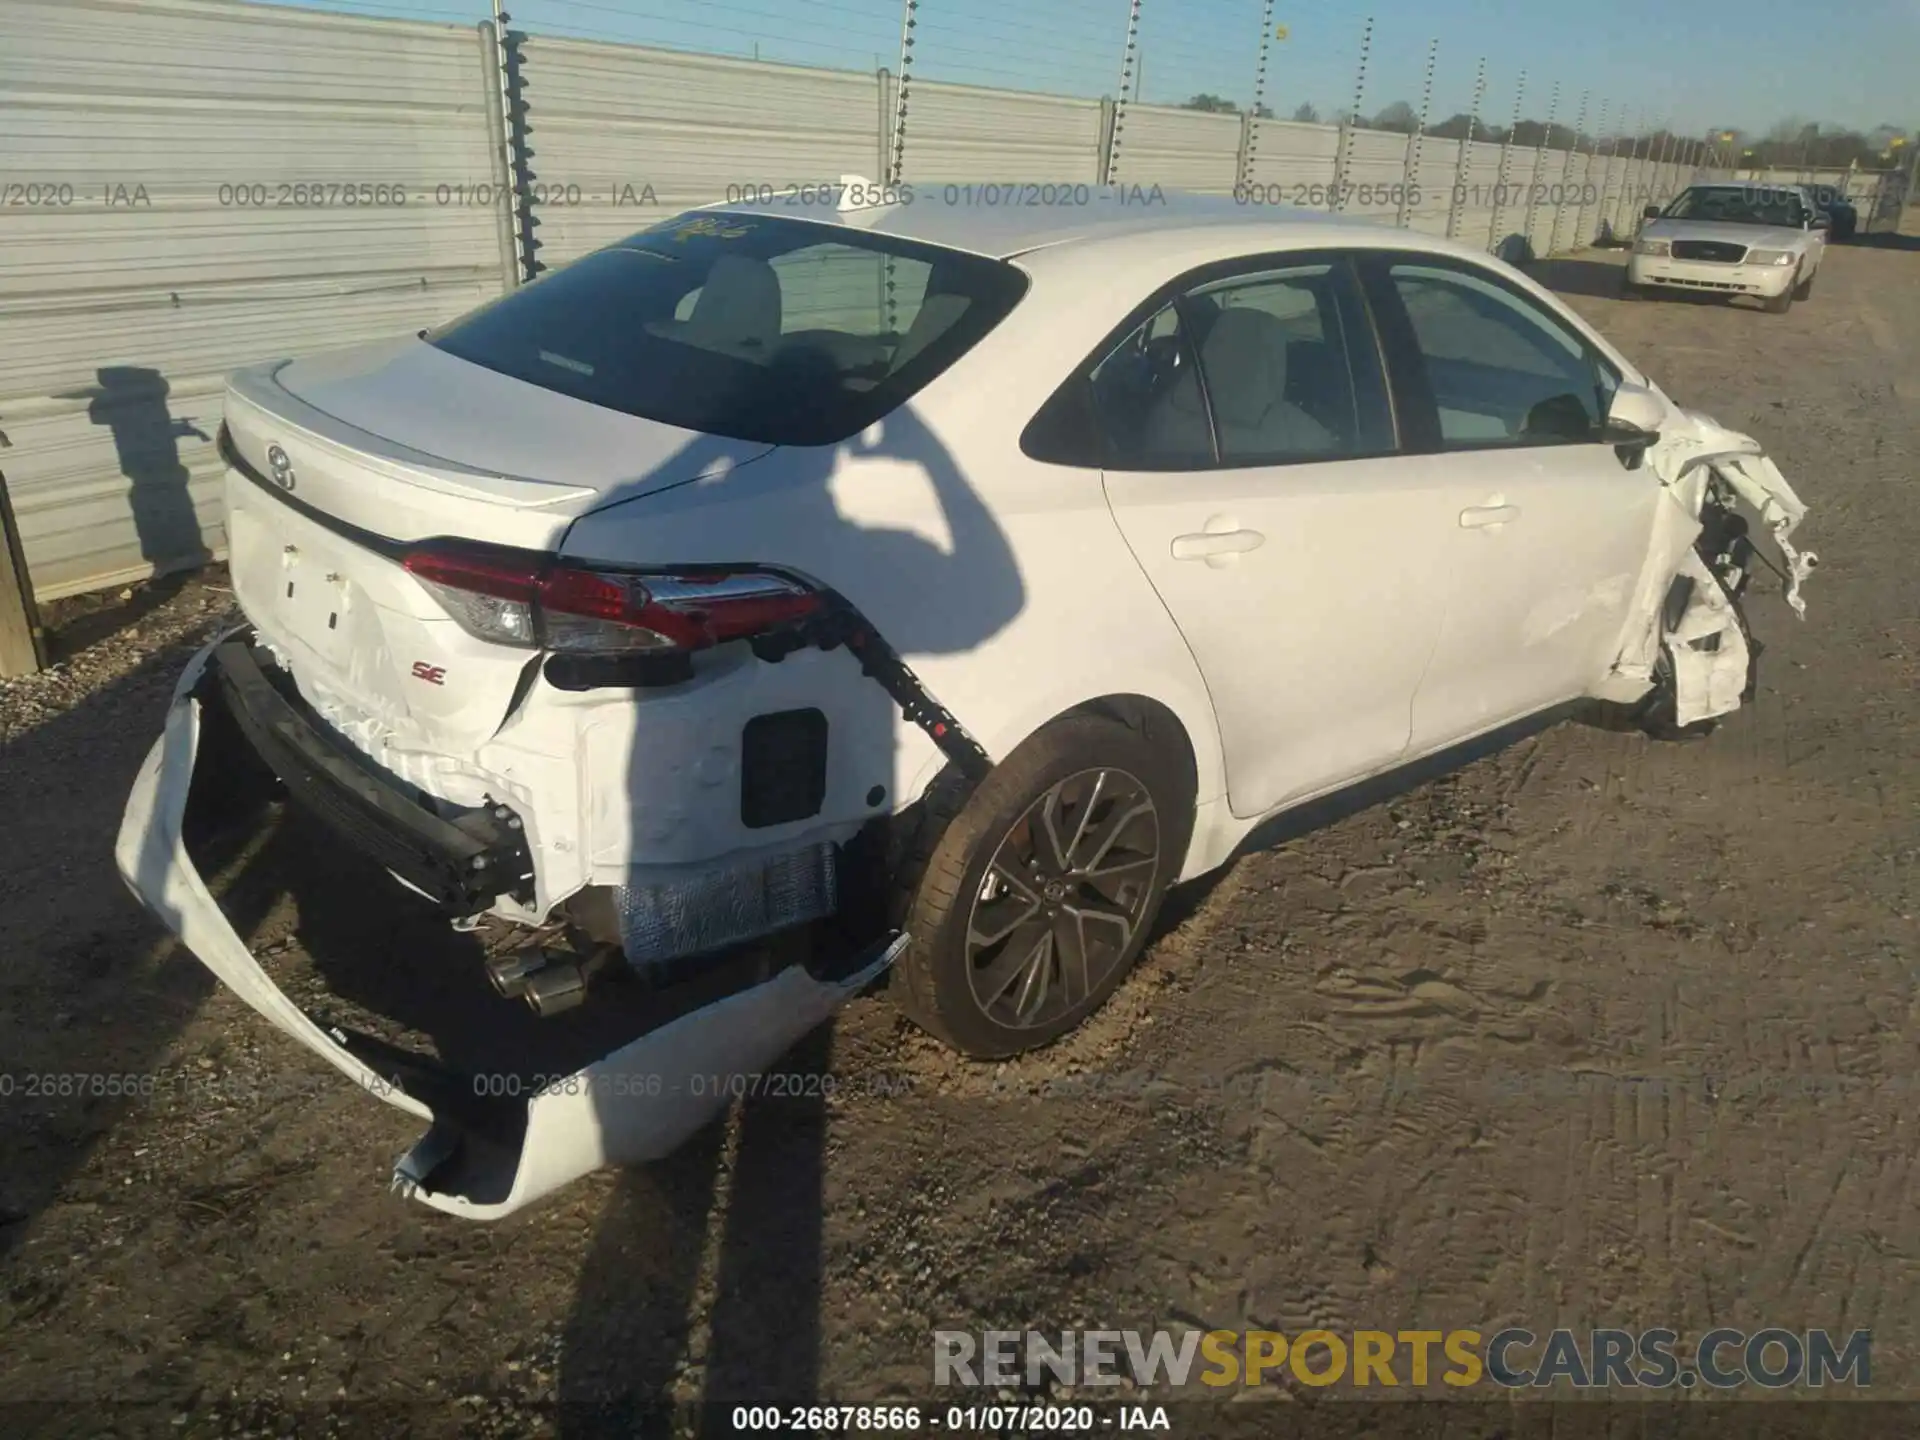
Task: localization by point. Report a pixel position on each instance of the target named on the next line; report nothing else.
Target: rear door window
(744, 325)
(1290, 368)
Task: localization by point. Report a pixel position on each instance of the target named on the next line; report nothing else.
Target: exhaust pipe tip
(554, 988)
(509, 974)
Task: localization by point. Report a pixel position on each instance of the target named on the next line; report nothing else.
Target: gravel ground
(1595, 1031)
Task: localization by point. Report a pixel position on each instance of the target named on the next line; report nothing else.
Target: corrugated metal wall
(622, 137)
(1188, 148)
(232, 182)
(970, 132)
(1288, 154)
(1376, 171)
(1432, 198)
(167, 252)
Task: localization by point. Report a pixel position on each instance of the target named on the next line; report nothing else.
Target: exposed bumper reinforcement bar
(463, 861)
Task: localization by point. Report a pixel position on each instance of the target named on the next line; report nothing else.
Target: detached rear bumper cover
(1707, 642)
(624, 1108)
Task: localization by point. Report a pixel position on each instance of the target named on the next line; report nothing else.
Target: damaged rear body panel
(490, 1147)
(1688, 637)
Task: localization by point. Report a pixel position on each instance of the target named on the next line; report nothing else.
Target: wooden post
(23, 644)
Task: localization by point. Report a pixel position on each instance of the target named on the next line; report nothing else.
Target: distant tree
(1794, 144)
(1539, 134)
(1306, 114)
(1211, 103)
(1398, 116)
(1455, 127)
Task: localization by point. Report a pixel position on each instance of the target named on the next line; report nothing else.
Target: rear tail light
(534, 602)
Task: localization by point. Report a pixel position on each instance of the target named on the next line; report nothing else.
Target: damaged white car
(936, 582)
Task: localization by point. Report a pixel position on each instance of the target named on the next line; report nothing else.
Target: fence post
(1343, 147)
(515, 151)
(1463, 166)
(1410, 171)
(1582, 236)
(1607, 198)
(1540, 154)
(1632, 180)
(502, 172)
(1129, 59)
(23, 643)
(1566, 174)
(897, 162)
(1250, 123)
(1506, 159)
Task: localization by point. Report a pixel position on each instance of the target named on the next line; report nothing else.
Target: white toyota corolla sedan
(939, 581)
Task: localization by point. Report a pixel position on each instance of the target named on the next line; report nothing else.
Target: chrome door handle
(1483, 517)
(1217, 547)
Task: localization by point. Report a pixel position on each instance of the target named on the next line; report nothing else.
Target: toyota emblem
(280, 467)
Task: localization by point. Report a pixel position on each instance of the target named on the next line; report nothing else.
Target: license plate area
(295, 585)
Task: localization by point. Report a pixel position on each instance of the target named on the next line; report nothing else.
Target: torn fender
(638, 1103)
(1704, 468)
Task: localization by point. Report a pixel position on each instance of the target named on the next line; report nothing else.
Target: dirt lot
(1595, 1032)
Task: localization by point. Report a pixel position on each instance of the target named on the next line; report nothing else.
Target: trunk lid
(355, 455)
(407, 441)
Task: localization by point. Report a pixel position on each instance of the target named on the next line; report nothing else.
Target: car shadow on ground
(1597, 279)
(1884, 240)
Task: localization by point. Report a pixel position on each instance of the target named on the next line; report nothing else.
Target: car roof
(1001, 220)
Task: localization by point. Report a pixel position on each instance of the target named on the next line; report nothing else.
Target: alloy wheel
(1063, 898)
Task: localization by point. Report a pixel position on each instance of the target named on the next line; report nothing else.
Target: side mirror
(1652, 212)
(1633, 422)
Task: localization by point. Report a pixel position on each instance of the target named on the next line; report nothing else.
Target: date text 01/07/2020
(954, 1419)
(1319, 195)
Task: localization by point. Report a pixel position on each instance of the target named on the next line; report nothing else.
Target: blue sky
(1695, 66)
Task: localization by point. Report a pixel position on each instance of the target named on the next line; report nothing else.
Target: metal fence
(200, 184)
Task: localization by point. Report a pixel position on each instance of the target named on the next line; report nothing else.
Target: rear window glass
(744, 325)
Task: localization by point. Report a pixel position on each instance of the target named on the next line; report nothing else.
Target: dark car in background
(1842, 215)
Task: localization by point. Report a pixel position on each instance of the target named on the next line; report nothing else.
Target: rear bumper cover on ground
(631, 1105)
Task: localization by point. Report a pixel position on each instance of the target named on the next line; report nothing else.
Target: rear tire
(1013, 946)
